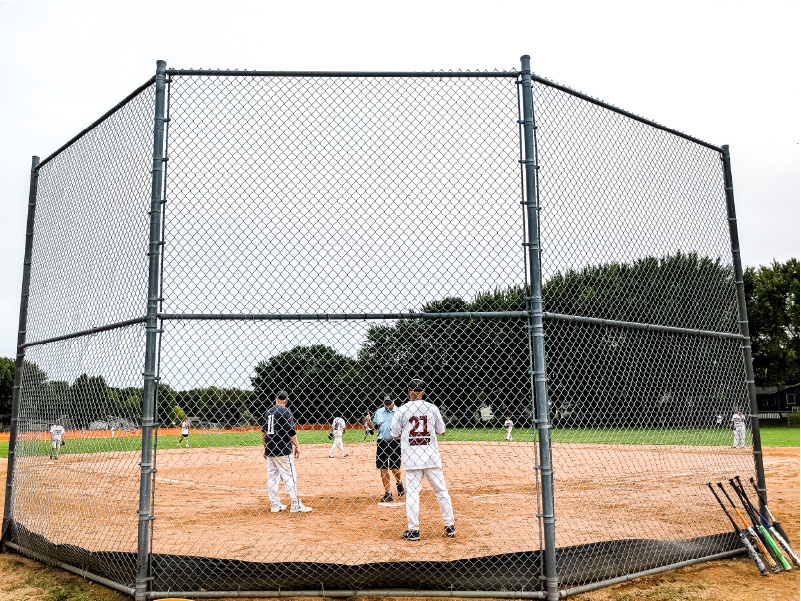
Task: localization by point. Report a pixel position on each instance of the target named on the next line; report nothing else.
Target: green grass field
(772, 436)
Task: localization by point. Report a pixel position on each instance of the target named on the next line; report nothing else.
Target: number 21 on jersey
(418, 435)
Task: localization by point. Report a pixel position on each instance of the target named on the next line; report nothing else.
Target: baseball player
(368, 425)
(56, 432)
(280, 440)
(388, 450)
(738, 427)
(508, 425)
(184, 433)
(416, 425)
(338, 429)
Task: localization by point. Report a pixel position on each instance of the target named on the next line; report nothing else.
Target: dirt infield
(213, 501)
(110, 502)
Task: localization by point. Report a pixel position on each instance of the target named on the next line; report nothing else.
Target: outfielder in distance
(416, 424)
(738, 427)
(56, 442)
(338, 429)
(280, 440)
(508, 425)
(184, 433)
(368, 425)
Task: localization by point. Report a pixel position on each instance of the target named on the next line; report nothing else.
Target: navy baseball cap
(281, 395)
(416, 385)
(387, 399)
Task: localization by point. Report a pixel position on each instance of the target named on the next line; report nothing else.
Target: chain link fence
(333, 237)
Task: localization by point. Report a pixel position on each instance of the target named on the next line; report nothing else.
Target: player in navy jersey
(280, 444)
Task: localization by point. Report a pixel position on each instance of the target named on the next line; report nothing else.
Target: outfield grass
(772, 436)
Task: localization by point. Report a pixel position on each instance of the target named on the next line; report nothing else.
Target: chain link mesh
(334, 238)
(91, 233)
(634, 229)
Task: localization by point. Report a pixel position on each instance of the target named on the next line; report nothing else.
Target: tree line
(480, 367)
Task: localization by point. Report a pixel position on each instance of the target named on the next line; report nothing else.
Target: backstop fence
(563, 275)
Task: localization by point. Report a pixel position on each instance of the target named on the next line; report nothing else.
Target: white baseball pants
(337, 445)
(282, 468)
(508, 434)
(414, 482)
(739, 435)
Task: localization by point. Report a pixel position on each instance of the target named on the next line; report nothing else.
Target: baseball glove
(330, 436)
(63, 443)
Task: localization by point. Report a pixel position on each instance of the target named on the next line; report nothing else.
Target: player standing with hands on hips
(508, 425)
(416, 424)
(338, 429)
(387, 450)
(280, 443)
(738, 427)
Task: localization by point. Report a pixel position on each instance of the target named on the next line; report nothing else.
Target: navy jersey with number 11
(278, 426)
(418, 423)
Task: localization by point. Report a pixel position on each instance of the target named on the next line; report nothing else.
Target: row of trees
(597, 375)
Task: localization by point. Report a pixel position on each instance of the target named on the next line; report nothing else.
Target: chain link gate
(557, 271)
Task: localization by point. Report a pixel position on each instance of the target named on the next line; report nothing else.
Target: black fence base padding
(579, 564)
(595, 562)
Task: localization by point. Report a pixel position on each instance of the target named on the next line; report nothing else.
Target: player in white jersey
(738, 427)
(416, 424)
(338, 429)
(508, 425)
(184, 433)
(56, 441)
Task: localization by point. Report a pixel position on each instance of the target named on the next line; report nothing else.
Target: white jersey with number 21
(418, 423)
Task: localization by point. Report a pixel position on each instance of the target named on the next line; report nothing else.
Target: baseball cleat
(450, 531)
(387, 498)
(401, 490)
(412, 535)
(277, 508)
(301, 509)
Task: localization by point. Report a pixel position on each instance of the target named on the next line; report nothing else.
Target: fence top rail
(625, 113)
(431, 74)
(108, 114)
(340, 316)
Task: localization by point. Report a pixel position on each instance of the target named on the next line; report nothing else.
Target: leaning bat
(743, 538)
(755, 539)
(764, 502)
(775, 552)
(782, 544)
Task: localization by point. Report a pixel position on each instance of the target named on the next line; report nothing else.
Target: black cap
(387, 399)
(281, 395)
(416, 385)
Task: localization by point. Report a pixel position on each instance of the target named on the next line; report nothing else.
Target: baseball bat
(755, 538)
(774, 550)
(743, 538)
(778, 540)
(764, 502)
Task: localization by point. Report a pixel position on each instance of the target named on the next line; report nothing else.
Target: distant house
(774, 402)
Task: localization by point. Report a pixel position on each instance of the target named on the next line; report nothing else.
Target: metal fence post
(151, 344)
(536, 337)
(23, 325)
(742, 315)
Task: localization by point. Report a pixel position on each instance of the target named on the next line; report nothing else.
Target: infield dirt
(733, 580)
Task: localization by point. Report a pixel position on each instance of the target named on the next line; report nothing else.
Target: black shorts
(388, 454)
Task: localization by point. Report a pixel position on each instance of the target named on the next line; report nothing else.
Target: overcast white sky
(726, 72)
